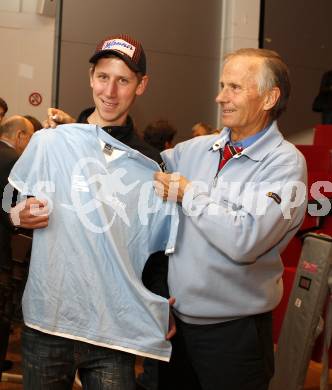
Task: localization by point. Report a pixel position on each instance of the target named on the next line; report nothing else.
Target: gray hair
(274, 73)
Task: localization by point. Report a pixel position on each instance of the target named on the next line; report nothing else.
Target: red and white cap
(123, 46)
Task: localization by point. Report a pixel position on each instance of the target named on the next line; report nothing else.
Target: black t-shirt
(126, 134)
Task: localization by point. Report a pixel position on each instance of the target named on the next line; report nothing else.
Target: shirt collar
(131, 153)
(244, 143)
(255, 147)
(108, 139)
(7, 143)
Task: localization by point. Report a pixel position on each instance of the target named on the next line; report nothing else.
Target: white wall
(26, 61)
(239, 28)
(240, 24)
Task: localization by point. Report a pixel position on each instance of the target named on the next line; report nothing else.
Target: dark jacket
(126, 134)
(323, 101)
(8, 157)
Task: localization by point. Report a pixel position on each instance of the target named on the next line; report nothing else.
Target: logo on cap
(121, 46)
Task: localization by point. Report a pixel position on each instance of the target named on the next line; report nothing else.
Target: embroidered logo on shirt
(274, 196)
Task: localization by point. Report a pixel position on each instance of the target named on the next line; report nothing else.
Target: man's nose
(222, 96)
(111, 88)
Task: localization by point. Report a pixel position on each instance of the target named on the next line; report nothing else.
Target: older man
(15, 133)
(243, 199)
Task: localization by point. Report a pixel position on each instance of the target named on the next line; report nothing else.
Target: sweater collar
(259, 149)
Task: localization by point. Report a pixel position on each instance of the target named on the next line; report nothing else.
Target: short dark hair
(208, 129)
(4, 105)
(35, 122)
(159, 132)
(274, 73)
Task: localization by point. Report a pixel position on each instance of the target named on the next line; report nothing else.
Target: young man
(239, 215)
(117, 76)
(114, 90)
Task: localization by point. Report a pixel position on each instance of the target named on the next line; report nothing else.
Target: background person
(201, 128)
(15, 133)
(3, 109)
(323, 101)
(35, 122)
(226, 273)
(160, 134)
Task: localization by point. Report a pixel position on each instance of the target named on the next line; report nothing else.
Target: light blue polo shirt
(85, 273)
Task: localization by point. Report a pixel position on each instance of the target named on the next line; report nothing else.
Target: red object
(35, 98)
(228, 152)
(318, 157)
(323, 135)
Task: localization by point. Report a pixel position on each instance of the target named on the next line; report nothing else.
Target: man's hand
(56, 117)
(171, 186)
(30, 214)
(171, 324)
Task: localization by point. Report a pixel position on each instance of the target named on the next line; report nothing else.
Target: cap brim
(123, 57)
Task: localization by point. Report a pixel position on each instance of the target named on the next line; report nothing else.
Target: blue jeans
(148, 379)
(50, 363)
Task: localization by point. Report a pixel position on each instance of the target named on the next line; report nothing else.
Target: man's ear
(17, 140)
(271, 98)
(18, 135)
(142, 85)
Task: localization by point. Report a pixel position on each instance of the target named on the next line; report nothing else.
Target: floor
(11, 380)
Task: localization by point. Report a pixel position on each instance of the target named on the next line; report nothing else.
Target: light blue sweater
(233, 228)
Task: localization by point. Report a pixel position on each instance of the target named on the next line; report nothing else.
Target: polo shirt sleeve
(30, 174)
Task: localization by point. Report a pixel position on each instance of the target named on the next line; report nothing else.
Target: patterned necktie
(228, 152)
